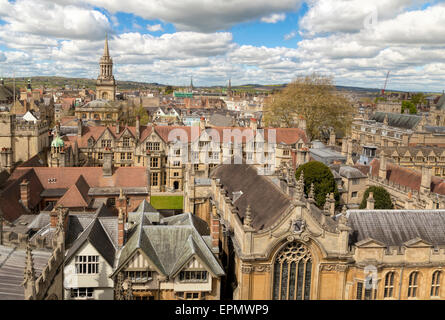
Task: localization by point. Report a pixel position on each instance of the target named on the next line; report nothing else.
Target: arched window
(292, 273)
(413, 284)
(389, 285)
(435, 284)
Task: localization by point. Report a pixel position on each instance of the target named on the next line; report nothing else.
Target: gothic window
(389, 285)
(292, 273)
(413, 284)
(435, 284)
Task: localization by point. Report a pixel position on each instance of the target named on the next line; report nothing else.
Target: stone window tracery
(292, 273)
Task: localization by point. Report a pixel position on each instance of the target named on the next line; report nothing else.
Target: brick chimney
(202, 123)
(117, 127)
(214, 230)
(382, 168)
(54, 217)
(25, 193)
(253, 124)
(121, 228)
(425, 184)
(370, 201)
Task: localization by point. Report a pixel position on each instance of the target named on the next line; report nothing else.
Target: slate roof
(396, 227)
(351, 172)
(441, 103)
(242, 177)
(171, 243)
(404, 121)
(12, 266)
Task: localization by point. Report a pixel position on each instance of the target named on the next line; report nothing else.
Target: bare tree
(313, 99)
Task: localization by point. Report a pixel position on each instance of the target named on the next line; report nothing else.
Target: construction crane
(386, 82)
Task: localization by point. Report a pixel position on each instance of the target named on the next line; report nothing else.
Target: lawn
(166, 202)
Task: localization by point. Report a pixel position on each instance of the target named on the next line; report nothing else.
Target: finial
(311, 195)
(30, 275)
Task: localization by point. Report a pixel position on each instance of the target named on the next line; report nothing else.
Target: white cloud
(54, 20)
(274, 18)
(290, 35)
(197, 15)
(155, 27)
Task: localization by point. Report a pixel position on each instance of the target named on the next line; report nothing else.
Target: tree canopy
(321, 176)
(410, 106)
(312, 98)
(381, 196)
(418, 98)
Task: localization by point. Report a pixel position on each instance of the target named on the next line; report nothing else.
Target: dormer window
(193, 276)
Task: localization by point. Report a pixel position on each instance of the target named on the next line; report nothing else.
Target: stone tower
(106, 84)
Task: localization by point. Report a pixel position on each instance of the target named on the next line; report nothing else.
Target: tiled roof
(407, 177)
(76, 196)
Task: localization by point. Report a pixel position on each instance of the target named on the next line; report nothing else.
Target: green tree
(313, 98)
(381, 197)
(168, 90)
(143, 115)
(410, 106)
(418, 98)
(321, 176)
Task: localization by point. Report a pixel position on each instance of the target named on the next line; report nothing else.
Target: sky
(356, 42)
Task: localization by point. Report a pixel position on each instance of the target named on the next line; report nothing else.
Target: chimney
(344, 146)
(138, 127)
(25, 193)
(79, 128)
(202, 123)
(120, 228)
(332, 137)
(107, 168)
(425, 184)
(148, 172)
(370, 202)
(121, 204)
(56, 214)
(117, 127)
(253, 124)
(382, 168)
(214, 230)
(349, 160)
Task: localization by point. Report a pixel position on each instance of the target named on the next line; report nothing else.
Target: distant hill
(57, 82)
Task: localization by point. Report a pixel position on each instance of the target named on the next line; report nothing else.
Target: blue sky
(166, 41)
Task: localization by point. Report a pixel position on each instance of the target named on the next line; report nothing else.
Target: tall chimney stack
(107, 167)
(370, 201)
(138, 128)
(425, 184)
(25, 193)
(382, 168)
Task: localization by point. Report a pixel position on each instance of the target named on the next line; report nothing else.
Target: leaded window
(413, 284)
(389, 285)
(435, 284)
(292, 273)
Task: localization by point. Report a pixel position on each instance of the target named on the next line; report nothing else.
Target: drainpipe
(400, 282)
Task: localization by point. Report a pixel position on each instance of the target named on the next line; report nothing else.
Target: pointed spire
(29, 277)
(311, 195)
(106, 51)
(299, 190)
(343, 219)
(248, 217)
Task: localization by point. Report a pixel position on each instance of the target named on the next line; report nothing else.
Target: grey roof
(396, 227)
(171, 243)
(12, 266)
(405, 121)
(351, 173)
(433, 129)
(326, 155)
(245, 178)
(441, 103)
(96, 234)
